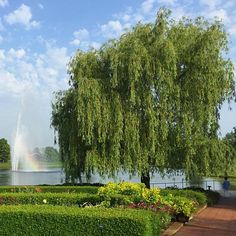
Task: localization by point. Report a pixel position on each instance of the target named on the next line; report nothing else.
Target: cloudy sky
(38, 38)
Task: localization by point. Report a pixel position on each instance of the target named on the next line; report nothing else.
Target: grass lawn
(56, 164)
(5, 166)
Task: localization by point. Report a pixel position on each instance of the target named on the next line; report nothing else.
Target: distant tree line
(49, 154)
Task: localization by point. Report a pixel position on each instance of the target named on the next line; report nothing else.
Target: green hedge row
(52, 189)
(58, 220)
(198, 197)
(62, 199)
(212, 196)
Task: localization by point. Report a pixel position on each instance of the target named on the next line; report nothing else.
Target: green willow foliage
(147, 101)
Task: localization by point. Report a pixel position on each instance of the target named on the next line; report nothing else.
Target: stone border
(173, 228)
(176, 226)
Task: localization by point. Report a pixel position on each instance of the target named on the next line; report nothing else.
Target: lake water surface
(57, 176)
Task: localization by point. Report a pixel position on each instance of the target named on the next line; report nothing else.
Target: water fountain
(23, 159)
(27, 167)
(25, 138)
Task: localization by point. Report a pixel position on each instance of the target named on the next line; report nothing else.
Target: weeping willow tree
(147, 101)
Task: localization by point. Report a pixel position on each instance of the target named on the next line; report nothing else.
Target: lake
(57, 176)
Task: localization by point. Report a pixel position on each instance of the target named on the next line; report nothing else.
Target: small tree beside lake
(5, 152)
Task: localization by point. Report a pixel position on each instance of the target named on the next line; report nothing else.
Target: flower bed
(137, 196)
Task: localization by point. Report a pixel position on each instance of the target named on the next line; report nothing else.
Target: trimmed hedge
(57, 220)
(51, 189)
(198, 197)
(62, 199)
(212, 196)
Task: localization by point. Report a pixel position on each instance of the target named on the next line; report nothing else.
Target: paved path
(219, 220)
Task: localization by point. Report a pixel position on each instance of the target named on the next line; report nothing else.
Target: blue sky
(38, 38)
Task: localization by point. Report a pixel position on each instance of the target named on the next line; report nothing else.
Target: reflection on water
(5, 177)
(52, 177)
(56, 176)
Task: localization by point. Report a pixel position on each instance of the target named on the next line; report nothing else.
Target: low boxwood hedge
(58, 220)
(52, 189)
(62, 199)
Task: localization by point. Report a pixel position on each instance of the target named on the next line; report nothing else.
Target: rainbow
(23, 159)
(31, 164)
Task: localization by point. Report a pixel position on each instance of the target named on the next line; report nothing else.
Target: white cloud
(179, 13)
(9, 83)
(147, 6)
(232, 30)
(167, 2)
(46, 71)
(22, 16)
(18, 54)
(126, 17)
(95, 45)
(2, 57)
(57, 57)
(3, 3)
(220, 14)
(112, 29)
(229, 4)
(211, 3)
(33, 24)
(83, 41)
(34, 77)
(79, 36)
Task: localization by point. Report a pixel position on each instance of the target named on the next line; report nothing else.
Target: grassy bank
(5, 166)
(57, 164)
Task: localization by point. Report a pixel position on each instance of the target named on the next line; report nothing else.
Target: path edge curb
(176, 226)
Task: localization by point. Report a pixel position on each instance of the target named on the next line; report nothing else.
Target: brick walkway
(219, 220)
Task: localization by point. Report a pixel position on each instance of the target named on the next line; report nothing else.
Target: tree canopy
(5, 153)
(147, 101)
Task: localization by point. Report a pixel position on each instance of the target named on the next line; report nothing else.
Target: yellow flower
(45, 201)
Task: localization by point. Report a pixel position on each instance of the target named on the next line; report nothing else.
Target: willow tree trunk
(145, 178)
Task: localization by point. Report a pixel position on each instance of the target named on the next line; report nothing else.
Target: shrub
(212, 196)
(135, 192)
(115, 200)
(198, 197)
(63, 199)
(180, 204)
(49, 220)
(125, 188)
(137, 196)
(52, 189)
